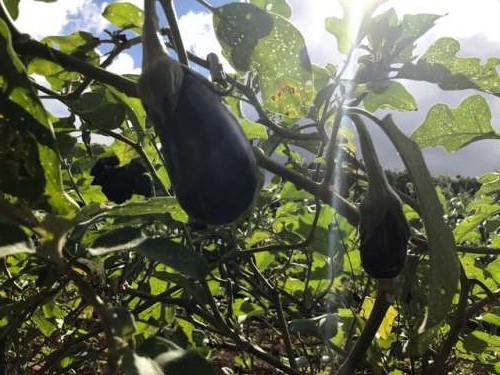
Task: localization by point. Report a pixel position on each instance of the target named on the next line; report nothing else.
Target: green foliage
(454, 129)
(142, 288)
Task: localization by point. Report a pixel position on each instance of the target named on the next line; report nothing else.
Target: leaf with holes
(253, 39)
(456, 128)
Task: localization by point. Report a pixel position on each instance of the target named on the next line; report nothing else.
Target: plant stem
(358, 352)
(169, 9)
(31, 47)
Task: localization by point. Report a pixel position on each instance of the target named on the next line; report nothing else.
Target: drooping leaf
(22, 108)
(253, 39)
(125, 16)
(395, 96)
(456, 128)
(444, 271)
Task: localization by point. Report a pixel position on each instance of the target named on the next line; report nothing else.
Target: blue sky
(474, 24)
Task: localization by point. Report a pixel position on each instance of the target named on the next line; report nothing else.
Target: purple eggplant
(209, 160)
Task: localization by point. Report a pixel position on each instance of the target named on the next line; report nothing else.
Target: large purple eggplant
(210, 162)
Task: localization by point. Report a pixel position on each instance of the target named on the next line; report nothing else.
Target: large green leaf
(253, 39)
(124, 16)
(456, 128)
(22, 109)
(441, 65)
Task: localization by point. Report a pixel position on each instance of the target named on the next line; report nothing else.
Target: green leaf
(253, 130)
(175, 255)
(456, 128)
(22, 108)
(395, 96)
(12, 7)
(494, 270)
(274, 6)
(124, 16)
(45, 326)
(492, 318)
(247, 35)
(441, 65)
(183, 362)
(479, 210)
(243, 309)
(490, 184)
(100, 109)
(79, 44)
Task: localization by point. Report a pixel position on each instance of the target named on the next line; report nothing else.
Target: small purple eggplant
(383, 228)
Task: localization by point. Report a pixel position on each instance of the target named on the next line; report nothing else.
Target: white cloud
(198, 36)
(124, 64)
(41, 19)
